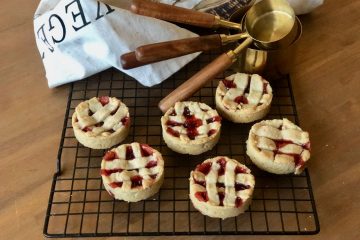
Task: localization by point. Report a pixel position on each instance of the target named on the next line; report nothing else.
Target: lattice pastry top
(222, 181)
(101, 116)
(191, 121)
(132, 167)
(281, 141)
(245, 92)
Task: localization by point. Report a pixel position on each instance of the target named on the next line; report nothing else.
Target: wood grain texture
(129, 61)
(173, 13)
(193, 84)
(327, 91)
(171, 49)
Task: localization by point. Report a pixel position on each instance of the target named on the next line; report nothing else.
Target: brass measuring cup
(271, 62)
(268, 23)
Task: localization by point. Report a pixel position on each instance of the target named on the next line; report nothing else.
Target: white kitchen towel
(181, 3)
(78, 38)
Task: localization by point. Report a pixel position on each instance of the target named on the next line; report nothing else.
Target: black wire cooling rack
(79, 206)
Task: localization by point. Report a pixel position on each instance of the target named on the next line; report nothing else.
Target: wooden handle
(193, 84)
(171, 49)
(129, 61)
(173, 13)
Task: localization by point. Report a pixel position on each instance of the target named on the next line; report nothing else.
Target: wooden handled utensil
(156, 52)
(192, 85)
(180, 15)
(268, 23)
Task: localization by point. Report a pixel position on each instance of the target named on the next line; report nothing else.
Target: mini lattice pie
(191, 127)
(101, 123)
(278, 146)
(243, 98)
(132, 172)
(221, 187)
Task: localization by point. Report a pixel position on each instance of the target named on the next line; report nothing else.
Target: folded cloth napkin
(78, 38)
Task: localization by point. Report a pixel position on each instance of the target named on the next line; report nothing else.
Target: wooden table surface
(326, 84)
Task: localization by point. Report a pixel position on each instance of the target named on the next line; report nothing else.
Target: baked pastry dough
(221, 187)
(278, 146)
(101, 122)
(243, 98)
(191, 127)
(132, 172)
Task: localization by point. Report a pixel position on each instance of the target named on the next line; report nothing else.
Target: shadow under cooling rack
(79, 206)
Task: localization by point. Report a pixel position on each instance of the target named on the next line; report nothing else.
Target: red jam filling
(104, 100)
(151, 164)
(202, 196)
(222, 163)
(129, 153)
(172, 132)
(136, 181)
(125, 121)
(146, 150)
(173, 123)
(90, 113)
(204, 168)
(241, 99)
(282, 143)
(297, 157)
(298, 161)
(214, 119)
(87, 129)
(202, 183)
(238, 202)
(153, 176)
(221, 198)
(220, 185)
(211, 132)
(116, 184)
(110, 155)
(240, 186)
(192, 133)
(192, 122)
(265, 88)
(239, 169)
(229, 83)
(108, 172)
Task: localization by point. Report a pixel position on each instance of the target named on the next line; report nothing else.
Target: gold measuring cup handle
(193, 84)
(179, 15)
